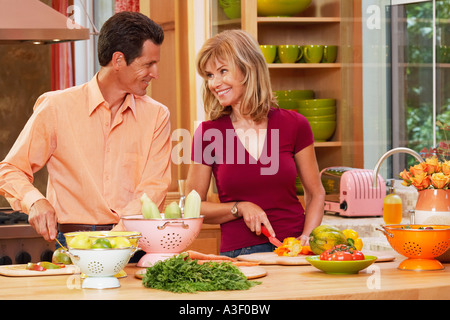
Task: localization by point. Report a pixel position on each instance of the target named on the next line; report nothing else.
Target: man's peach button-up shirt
(97, 169)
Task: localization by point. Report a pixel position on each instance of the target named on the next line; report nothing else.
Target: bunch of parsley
(182, 274)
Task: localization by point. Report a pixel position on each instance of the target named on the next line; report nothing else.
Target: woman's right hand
(254, 217)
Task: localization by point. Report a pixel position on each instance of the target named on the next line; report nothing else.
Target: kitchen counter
(381, 281)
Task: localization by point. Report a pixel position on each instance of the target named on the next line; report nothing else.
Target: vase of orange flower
(432, 180)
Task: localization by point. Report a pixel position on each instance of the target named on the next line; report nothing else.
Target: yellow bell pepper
(358, 244)
(349, 233)
(292, 247)
(353, 238)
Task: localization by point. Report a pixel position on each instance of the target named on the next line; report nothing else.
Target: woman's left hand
(304, 240)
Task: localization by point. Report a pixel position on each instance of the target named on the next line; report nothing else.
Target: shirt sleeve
(28, 155)
(303, 133)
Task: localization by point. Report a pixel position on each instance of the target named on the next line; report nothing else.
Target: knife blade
(272, 240)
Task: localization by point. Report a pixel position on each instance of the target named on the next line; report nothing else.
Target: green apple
(101, 243)
(81, 241)
(172, 211)
(60, 257)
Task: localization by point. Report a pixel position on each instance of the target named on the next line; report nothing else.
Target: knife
(272, 240)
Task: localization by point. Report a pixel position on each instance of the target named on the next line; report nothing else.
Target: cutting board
(253, 272)
(19, 270)
(272, 258)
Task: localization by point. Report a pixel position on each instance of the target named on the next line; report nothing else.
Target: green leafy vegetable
(182, 274)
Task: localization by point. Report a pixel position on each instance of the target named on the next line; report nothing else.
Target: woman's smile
(223, 92)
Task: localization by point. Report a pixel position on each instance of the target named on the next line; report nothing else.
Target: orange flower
(446, 167)
(429, 174)
(418, 169)
(432, 165)
(406, 176)
(439, 180)
(421, 181)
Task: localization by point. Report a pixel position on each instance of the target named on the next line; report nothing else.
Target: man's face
(136, 77)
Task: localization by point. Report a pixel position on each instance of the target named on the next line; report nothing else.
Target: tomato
(325, 255)
(341, 256)
(358, 255)
(342, 252)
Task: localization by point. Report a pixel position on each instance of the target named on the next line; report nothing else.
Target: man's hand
(42, 217)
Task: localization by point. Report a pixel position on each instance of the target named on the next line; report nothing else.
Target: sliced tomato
(35, 267)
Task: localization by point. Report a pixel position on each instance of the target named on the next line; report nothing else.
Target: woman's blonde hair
(240, 50)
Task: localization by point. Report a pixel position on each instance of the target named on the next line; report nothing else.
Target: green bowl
(317, 103)
(341, 267)
(281, 8)
(314, 112)
(231, 8)
(322, 130)
(331, 117)
(294, 94)
(290, 104)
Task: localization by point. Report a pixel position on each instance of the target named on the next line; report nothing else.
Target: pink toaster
(349, 192)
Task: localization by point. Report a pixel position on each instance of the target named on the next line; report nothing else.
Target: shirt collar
(96, 98)
(129, 102)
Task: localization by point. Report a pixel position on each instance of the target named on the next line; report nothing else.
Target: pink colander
(163, 238)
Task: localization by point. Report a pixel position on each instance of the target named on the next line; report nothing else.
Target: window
(413, 109)
(87, 12)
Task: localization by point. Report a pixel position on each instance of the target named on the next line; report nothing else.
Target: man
(105, 142)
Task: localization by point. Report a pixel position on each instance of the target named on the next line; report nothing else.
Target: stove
(19, 242)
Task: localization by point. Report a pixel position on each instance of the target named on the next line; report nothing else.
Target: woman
(254, 149)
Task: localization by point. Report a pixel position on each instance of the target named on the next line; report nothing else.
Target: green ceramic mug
(269, 52)
(329, 54)
(231, 8)
(289, 53)
(313, 53)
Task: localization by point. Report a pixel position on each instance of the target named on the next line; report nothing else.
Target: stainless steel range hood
(31, 21)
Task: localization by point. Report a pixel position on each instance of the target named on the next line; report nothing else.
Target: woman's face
(225, 82)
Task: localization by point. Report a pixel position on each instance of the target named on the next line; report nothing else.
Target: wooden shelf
(298, 20)
(227, 22)
(304, 65)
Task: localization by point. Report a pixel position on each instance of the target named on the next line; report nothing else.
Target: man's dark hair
(126, 32)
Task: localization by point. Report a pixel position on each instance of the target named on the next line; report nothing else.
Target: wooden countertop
(384, 281)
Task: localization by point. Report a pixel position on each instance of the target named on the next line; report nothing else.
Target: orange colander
(421, 244)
